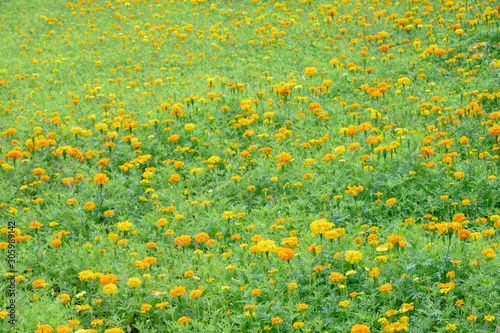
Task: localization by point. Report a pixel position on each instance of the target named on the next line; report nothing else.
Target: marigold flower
(114, 330)
(302, 306)
(101, 179)
(391, 202)
(201, 237)
(344, 303)
(451, 327)
(44, 329)
(335, 276)
(494, 130)
(134, 282)
(89, 205)
(353, 257)
(276, 320)
(298, 325)
(385, 287)
(256, 292)
(177, 291)
(227, 215)
(310, 71)
(110, 289)
(266, 245)
(284, 158)
(360, 329)
(489, 253)
(174, 178)
(290, 242)
(183, 240)
(107, 279)
(65, 298)
(284, 253)
(145, 308)
(38, 172)
(321, 226)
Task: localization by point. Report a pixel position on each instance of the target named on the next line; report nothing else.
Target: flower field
(250, 166)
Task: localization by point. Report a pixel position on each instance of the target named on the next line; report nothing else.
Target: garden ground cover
(249, 166)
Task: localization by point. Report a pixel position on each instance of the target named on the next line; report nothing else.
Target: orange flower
(284, 253)
(360, 329)
(201, 237)
(177, 291)
(101, 179)
(174, 178)
(44, 329)
(183, 240)
(109, 278)
(256, 292)
(302, 306)
(283, 158)
(391, 202)
(494, 130)
(276, 320)
(89, 205)
(385, 287)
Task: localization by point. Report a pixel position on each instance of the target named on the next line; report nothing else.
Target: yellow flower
(335, 276)
(489, 253)
(391, 202)
(451, 327)
(353, 257)
(321, 226)
(145, 308)
(189, 127)
(124, 226)
(310, 71)
(298, 325)
(344, 303)
(340, 150)
(374, 272)
(227, 215)
(134, 282)
(110, 289)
